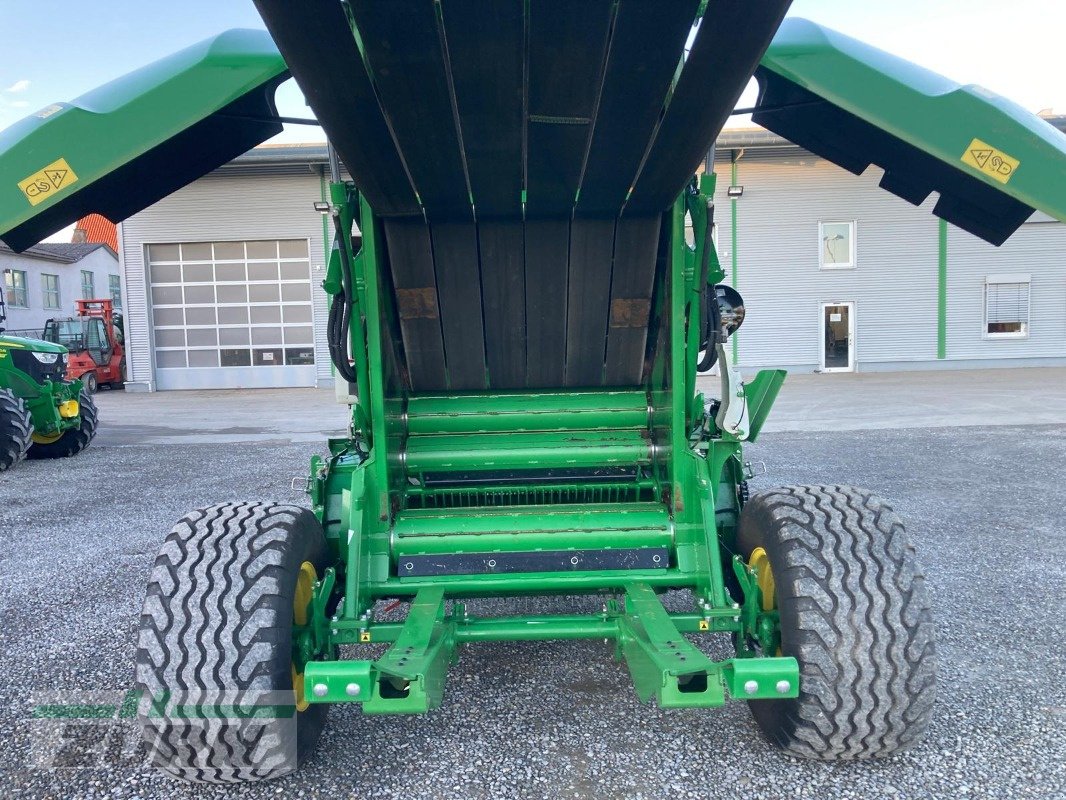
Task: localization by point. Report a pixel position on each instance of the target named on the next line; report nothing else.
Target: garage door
(232, 314)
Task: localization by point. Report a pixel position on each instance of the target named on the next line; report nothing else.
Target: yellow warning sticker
(990, 161)
(364, 636)
(705, 625)
(48, 181)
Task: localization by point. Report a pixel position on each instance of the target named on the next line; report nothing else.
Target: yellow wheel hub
(759, 562)
(305, 586)
(46, 438)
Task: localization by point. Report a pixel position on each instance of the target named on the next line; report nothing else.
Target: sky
(53, 50)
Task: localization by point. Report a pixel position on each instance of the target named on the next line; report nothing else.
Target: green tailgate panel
(992, 161)
(133, 141)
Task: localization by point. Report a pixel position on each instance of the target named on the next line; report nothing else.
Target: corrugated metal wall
(894, 284)
(223, 207)
(1039, 250)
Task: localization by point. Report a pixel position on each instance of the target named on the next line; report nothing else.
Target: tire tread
(855, 614)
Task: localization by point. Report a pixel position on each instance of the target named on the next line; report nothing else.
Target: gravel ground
(560, 719)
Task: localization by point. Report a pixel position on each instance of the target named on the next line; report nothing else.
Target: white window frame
(1008, 277)
(91, 285)
(853, 228)
(11, 291)
(47, 293)
(114, 287)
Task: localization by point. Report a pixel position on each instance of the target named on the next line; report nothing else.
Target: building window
(836, 245)
(88, 291)
(114, 285)
(1007, 306)
(50, 290)
(15, 288)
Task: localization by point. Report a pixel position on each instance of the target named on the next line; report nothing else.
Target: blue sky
(56, 49)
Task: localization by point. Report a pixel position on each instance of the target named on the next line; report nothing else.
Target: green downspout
(733, 242)
(942, 295)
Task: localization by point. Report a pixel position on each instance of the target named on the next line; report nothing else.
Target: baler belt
(455, 257)
(567, 47)
(486, 47)
(503, 279)
(732, 38)
(316, 40)
(636, 241)
(411, 259)
(646, 47)
(547, 244)
(402, 44)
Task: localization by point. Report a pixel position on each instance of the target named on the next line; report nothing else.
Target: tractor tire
(854, 614)
(90, 383)
(16, 429)
(74, 440)
(216, 633)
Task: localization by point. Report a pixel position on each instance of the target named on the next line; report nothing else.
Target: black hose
(339, 325)
(710, 313)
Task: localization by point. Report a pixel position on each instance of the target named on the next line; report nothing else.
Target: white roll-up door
(231, 314)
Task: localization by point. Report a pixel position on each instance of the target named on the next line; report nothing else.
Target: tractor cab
(94, 338)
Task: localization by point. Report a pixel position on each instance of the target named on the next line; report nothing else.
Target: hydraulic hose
(710, 313)
(339, 324)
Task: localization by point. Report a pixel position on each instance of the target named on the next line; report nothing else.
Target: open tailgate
(131, 142)
(991, 161)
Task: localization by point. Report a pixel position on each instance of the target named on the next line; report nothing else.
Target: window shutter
(1007, 302)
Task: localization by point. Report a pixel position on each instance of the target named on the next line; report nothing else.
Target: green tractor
(520, 330)
(42, 414)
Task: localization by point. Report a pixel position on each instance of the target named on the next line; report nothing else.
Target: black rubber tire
(16, 428)
(216, 630)
(89, 382)
(854, 613)
(74, 440)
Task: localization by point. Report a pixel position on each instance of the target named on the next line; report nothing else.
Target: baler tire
(855, 615)
(16, 429)
(218, 617)
(75, 440)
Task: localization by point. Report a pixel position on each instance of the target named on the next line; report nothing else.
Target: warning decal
(990, 161)
(46, 182)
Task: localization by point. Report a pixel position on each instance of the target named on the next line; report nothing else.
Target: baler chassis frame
(685, 464)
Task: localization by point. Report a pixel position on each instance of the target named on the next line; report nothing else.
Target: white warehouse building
(223, 277)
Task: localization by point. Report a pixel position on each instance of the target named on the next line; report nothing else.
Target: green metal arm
(992, 161)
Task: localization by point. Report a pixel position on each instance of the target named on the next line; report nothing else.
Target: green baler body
(525, 311)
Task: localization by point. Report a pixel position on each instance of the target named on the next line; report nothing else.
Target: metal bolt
(492, 563)
(408, 566)
(334, 631)
(574, 560)
(320, 690)
(751, 687)
(352, 690)
(656, 559)
(736, 605)
(784, 687)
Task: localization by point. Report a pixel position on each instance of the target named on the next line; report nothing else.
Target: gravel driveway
(547, 719)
